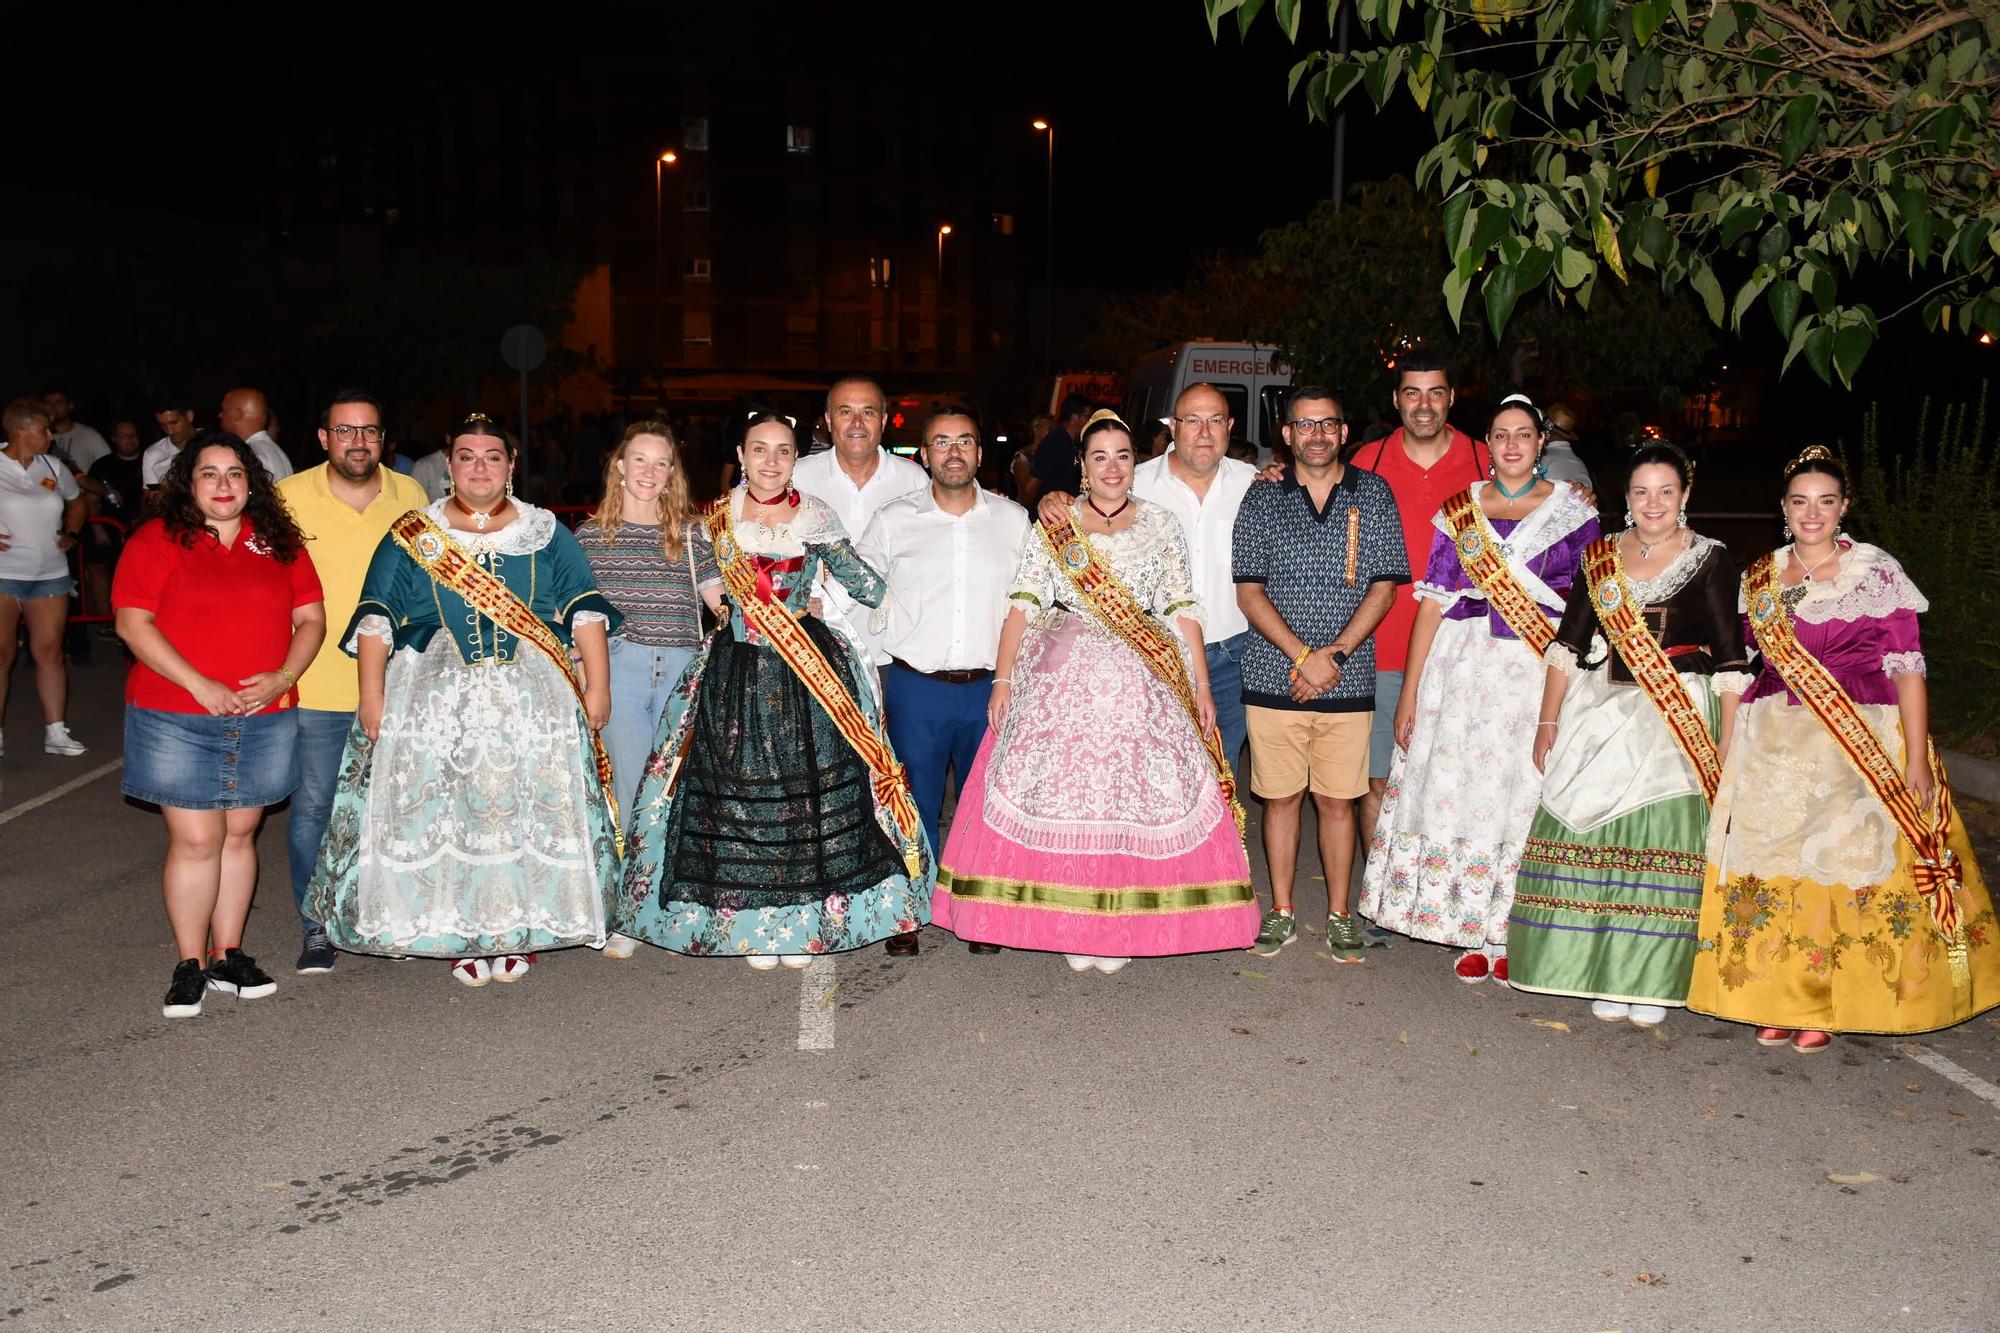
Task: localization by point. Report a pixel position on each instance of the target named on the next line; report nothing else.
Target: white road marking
(56, 793)
(816, 985)
(1965, 1078)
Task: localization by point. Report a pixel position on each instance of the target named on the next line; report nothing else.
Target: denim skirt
(192, 761)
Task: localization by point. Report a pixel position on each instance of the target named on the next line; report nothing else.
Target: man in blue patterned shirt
(1318, 556)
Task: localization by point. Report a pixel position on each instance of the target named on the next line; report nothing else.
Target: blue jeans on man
(1225, 684)
(935, 728)
(322, 741)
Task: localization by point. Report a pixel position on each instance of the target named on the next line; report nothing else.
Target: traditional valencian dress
(772, 817)
(1098, 820)
(1459, 800)
(477, 824)
(1833, 901)
(1610, 883)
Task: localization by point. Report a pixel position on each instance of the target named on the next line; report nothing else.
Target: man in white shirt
(76, 443)
(855, 478)
(247, 416)
(1204, 487)
(949, 553)
(179, 424)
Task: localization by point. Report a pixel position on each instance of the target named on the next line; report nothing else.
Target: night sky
(1171, 146)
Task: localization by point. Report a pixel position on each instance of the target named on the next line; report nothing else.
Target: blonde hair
(676, 509)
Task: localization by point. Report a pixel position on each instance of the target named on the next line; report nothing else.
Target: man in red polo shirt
(1426, 462)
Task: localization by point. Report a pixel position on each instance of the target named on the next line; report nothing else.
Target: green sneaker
(1278, 930)
(1344, 936)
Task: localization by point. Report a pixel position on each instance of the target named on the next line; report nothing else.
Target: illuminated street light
(664, 160)
(1049, 234)
(944, 230)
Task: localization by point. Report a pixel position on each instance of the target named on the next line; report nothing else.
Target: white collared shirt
(948, 577)
(1210, 524)
(819, 476)
(160, 454)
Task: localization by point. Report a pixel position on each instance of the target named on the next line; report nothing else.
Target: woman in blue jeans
(652, 561)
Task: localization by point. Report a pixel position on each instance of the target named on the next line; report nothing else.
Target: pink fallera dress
(1092, 821)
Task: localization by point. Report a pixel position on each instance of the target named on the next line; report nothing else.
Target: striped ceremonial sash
(1625, 629)
(1099, 588)
(782, 630)
(448, 565)
(1479, 555)
(1938, 875)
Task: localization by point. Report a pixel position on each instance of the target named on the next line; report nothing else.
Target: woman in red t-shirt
(218, 603)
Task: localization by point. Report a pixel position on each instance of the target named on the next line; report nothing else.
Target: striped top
(662, 607)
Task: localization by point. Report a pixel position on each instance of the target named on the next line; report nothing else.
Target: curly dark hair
(183, 518)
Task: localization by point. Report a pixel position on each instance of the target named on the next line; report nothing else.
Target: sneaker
(472, 971)
(237, 974)
(1344, 937)
(511, 967)
(1610, 1011)
(1648, 1015)
(317, 955)
(620, 946)
(1278, 930)
(1472, 967)
(1378, 938)
(184, 992)
(57, 740)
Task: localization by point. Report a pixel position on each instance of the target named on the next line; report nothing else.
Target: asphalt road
(975, 1143)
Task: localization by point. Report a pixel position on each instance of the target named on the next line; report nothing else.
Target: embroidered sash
(782, 630)
(1939, 877)
(448, 565)
(1625, 629)
(1479, 555)
(1098, 587)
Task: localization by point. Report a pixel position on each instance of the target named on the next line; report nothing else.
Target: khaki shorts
(1291, 750)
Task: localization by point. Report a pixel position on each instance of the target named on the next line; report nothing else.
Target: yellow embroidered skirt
(1810, 916)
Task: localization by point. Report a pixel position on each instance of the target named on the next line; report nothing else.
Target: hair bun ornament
(1812, 453)
(1106, 414)
(479, 416)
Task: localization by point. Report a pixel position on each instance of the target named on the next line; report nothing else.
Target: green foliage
(1773, 157)
(1931, 498)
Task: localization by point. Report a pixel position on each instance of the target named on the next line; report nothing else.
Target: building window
(799, 139)
(881, 272)
(696, 331)
(695, 268)
(694, 197)
(1003, 224)
(694, 134)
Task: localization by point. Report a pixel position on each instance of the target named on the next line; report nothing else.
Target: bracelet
(1540, 725)
(290, 679)
(1299, 662)
(1003, 680)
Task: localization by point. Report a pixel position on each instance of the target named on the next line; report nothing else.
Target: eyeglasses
(1327, 425)
(366, 434)
(964, 443)
(1196, 423)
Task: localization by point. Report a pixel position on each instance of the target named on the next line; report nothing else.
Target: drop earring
(1683, 520)
(1629, 524)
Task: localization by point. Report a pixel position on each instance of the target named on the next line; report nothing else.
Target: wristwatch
(1340, 657)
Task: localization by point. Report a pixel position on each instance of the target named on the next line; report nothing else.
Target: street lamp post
(944, 230)
(1049, 235)
(661, 162)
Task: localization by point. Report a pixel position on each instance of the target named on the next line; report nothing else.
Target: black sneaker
(317, 955)
(185, 991)
(237, 972)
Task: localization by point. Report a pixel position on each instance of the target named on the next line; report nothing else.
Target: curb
(1977, 778)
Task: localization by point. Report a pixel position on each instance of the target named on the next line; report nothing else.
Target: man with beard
(177, 420)
(71, 440)
(948, 553)
(344, 509)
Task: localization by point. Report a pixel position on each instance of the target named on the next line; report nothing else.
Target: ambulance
(1252, 377)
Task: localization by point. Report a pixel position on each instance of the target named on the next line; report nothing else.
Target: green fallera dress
(1609, 891)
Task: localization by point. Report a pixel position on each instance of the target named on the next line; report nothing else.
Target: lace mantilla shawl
(815, 524)
(1871, 585)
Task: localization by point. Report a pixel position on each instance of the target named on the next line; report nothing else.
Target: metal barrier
(84, 615)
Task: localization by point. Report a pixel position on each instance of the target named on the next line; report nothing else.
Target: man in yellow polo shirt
(344, 507)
